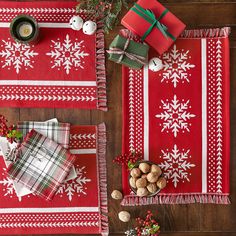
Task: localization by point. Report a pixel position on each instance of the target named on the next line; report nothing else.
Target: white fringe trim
(102, 177)
(100, 68)
(176, 199)
(206, 33)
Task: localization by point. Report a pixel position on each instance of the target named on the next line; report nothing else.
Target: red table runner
(79, 206)
(65, 69)
(179, 118)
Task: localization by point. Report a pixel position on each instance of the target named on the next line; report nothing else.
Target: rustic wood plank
(190, 1)
(36, 114)
(191, 233)
(11, 114)
(73, 116)
(205, 14)
(182, 217)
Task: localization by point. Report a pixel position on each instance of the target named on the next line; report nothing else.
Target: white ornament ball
(89, 27)
(155, 64)
(76, 23)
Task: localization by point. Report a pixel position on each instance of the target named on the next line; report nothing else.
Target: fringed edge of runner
(101, 69)
(102, 173)
(206, 33)
(176, 199)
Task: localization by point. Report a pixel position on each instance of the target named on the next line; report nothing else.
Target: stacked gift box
(153, 25)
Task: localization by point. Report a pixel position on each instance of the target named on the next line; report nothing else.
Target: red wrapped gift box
(165, 20)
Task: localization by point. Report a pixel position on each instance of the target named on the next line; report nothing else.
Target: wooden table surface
(176, 220)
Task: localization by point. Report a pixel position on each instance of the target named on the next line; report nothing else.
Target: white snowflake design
(176, 66)
(17, 55)
(67, 54)
(176, 165)
(175, 116)
(76, 186)
(7, 186)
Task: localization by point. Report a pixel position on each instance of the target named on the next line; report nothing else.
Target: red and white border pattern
(48, 14)
(41, 219)
(41, 93)
(215, 113)
(41, 14)
(219, 114)
(135, 110)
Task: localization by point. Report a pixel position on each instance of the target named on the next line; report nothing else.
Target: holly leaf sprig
(128, 159)
(10, 132)
(145, 227)
(14, 134)
(107, 10)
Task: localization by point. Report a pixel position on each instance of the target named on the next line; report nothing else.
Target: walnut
(144, 167)
(142, 192)
(152, 188)
(156, 169)
(152, 177)
(124, 216)
(116, 194)
(135, 172)
(144, 176)
(132, 182)
(141, 183)
(161, 183)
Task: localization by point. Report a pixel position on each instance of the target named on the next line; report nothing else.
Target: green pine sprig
(107, 10)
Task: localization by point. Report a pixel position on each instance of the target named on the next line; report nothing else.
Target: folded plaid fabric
(58, 132)
(42, 165)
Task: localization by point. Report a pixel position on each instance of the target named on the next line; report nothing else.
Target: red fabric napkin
(65, 69)
(179, 118)
(78, 207)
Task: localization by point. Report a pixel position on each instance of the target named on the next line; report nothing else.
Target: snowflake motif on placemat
(67, 54)
(7, 186)
(76, 186)
(175, 116)
(176, 165)
(176, 66)
(17, 55)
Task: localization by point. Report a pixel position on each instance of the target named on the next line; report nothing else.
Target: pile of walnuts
(146, 179)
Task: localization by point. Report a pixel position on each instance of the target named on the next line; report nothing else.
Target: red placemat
(65, 69)
(79, 206)
(179, 118)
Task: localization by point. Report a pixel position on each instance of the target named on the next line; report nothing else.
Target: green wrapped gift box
(128, 52)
